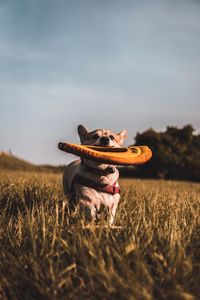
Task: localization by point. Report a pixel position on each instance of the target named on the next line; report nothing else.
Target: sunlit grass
(46, 253)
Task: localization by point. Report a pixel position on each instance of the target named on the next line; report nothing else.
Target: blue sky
(112, 64)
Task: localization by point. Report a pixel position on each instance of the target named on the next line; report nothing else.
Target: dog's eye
(111, 137)
(95, 136)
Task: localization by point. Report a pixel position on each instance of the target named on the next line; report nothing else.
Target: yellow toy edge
(94, 155)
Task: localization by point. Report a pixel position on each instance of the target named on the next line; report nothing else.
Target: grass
(46, 253)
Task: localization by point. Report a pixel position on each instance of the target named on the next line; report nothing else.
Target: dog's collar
(108, 189)
(105, 172)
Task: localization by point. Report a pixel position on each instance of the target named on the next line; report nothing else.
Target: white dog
(90, 184)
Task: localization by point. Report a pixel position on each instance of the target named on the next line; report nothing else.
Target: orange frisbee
(124, 156)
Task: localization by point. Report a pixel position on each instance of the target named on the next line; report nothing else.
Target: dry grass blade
(152, 251)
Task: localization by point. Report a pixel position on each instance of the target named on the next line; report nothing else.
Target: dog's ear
(123, 135)
(82, 131)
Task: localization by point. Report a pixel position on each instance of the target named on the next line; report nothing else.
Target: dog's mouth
(104, 145)
(108, 149)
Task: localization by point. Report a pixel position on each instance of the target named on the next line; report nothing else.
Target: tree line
(176, 154)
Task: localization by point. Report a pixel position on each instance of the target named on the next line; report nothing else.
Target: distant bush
(176, 153)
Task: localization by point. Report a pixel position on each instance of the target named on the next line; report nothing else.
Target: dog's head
(101, 137)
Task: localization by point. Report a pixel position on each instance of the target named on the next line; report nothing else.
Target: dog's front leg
(89, 211)
(112, 212)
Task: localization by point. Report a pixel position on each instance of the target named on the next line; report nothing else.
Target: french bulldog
(90, 185)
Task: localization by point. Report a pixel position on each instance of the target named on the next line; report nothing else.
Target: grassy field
(46, 253)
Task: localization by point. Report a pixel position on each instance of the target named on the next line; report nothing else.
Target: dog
(90, 184)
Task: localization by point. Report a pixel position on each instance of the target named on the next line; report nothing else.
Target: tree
(175, 153)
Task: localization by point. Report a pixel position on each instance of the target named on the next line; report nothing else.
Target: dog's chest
(95, 197)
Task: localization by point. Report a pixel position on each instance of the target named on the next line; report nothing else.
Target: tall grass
(47, 253)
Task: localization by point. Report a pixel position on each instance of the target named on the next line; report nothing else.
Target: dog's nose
(104, 140)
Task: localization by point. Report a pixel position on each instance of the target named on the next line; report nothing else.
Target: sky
(113, 64)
